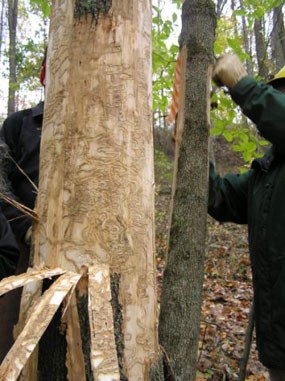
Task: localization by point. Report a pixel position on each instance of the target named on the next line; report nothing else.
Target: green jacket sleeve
(228, 196)
(265, 106)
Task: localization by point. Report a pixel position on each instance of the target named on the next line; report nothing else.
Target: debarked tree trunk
(96, 191)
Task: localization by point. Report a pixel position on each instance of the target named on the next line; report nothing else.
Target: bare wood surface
(96, 191)
(75, 359)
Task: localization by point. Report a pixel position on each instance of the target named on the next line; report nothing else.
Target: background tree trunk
(278, 37)
(183, 277)
(220, 6)
(261, 48)
(247, 43)
(12, 22)
(96, 190)
(2, 26)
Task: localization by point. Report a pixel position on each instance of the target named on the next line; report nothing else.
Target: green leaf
(46, 9)
(43, 5)
(228, 134)
(156, 20)
(240, 12)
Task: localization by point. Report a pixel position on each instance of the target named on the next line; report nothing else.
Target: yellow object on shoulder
(277, 77)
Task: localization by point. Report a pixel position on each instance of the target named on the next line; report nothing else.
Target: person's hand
(28, 235)
(228, 71)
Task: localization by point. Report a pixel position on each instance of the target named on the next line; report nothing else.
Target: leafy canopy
(226, 118)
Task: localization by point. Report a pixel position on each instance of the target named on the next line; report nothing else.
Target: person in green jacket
(257, 198)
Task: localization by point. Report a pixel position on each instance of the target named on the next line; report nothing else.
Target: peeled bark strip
(13, 282)
(31, 295)
(26, 342)
(96, 190)
(75, 360)
(104, 360)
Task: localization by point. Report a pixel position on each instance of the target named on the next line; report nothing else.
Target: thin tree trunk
(2, 26)
(260, 47)
(183, 277)
(246, 41)
(278, 37)
(96, 189)
(12, 22)
(220, 7)
(235, 26)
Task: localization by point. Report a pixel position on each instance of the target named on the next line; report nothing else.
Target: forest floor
(227, 294)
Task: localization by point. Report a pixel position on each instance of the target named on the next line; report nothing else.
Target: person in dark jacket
(257, 198)
(9, 252)
(9, 256)
(21, 132)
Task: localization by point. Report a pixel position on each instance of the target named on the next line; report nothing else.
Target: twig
(247, 346)
(29, 212)
(202, 346)
(168, 371)
(24, 173)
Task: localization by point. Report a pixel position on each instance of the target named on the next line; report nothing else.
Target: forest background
(254, 29)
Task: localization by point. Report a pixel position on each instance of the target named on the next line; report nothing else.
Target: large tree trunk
(12, 22)
(183, 277)
(96, 192)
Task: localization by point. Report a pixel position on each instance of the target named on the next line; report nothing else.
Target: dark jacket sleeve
(265, 106)
(9, 253)
(9, 135)
(228, 196)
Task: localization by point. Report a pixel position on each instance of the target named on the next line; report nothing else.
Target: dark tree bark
(246, 41)
(260, 47)
(183, 277)
(278, 37)
(233, 5)
(12, 21)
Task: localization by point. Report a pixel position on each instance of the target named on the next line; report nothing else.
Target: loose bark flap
(12, 282)
(25, 344)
